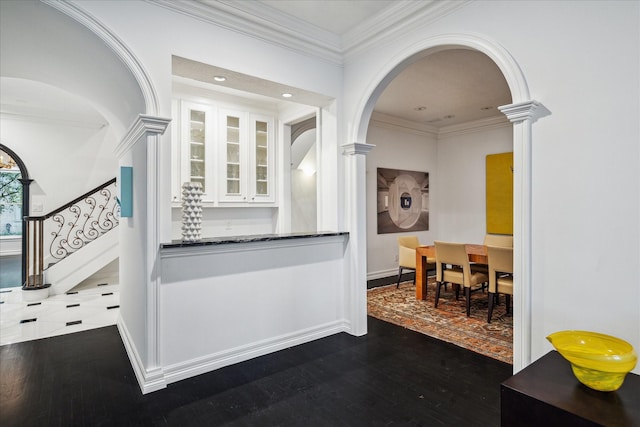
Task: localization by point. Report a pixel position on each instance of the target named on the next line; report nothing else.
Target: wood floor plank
(391, 376)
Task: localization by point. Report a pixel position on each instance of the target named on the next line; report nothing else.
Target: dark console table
(546, 393)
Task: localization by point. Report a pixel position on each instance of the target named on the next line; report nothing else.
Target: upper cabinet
(230, 151)
(247, 157)
(197, 153)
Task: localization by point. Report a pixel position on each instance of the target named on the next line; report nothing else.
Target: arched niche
(522, 112)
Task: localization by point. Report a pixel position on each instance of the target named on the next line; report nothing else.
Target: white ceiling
(335, 16)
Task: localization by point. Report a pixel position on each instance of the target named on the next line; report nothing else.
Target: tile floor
(91, 304)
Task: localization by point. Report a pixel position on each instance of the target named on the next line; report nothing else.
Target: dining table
(476, 253)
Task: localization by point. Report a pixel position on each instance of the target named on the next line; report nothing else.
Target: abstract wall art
(403, 201)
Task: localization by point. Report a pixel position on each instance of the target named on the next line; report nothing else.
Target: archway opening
(521, 142)
(14, 201)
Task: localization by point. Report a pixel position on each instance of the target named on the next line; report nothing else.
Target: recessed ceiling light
(486, 108)
(287, 95)
(420, 108)
(219, 78)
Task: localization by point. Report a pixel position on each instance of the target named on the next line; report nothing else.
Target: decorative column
(522, 115)
(139, 245)
(356, 221)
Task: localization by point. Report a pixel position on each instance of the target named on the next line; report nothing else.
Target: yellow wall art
(500, 193)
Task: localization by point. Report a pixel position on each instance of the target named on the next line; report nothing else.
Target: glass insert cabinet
(230, 152)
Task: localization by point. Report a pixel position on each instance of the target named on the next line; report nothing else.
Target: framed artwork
(403, 201)
(500, 193)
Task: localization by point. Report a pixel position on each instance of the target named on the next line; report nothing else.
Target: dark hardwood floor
(391, 376)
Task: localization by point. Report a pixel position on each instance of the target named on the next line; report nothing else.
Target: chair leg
(438, 284)
(467, 295)
(399, 277)
(491, 301)
(507, 298)
(457, 289)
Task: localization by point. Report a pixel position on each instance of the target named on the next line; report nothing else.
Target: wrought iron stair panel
(62, 232)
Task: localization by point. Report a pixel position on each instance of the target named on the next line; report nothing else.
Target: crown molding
(495, 122)
(258, 20)
(403, 17)
(395, 123)
(263, 23)
(403, 125)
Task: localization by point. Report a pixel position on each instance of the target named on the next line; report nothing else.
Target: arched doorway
(522, 113)
(14, 204)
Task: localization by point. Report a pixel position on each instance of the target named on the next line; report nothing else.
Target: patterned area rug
(448, 322)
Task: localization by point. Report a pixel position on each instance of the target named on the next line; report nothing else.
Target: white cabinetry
(246, 158)
(231, 152)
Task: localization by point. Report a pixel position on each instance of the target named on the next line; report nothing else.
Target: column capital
(528, 110)
(356, 148)
(143, 126)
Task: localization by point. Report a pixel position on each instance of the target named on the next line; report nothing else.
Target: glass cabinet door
(233, 166)
(262, 158)
(196, 153)
(197, 129)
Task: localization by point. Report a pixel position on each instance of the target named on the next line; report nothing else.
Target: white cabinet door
(261, 159)
(233, 156)
(198, 156)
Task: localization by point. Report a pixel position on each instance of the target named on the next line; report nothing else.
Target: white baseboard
(149, 380)
(158, 378)
(372, 275)
(201, 365)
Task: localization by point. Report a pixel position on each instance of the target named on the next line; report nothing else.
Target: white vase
(191, 211)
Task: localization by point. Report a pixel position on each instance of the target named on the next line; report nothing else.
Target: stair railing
(68, 229)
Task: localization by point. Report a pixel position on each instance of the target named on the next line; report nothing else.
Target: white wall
(64, 161)
(585, 158)
(303, 201)
(304, 189)
(134, 277)
(460, 193)
(217, 222)
(396, 148)
(222, 304)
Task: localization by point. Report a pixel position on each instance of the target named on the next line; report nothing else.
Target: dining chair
(452, 266)
(500, 276)
(407, 256)
(501, 240)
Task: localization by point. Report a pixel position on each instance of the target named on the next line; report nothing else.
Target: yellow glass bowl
(599, 361)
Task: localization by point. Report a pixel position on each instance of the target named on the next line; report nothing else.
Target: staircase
(72, 242)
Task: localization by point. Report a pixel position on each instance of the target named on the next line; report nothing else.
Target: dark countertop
(248, 239)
